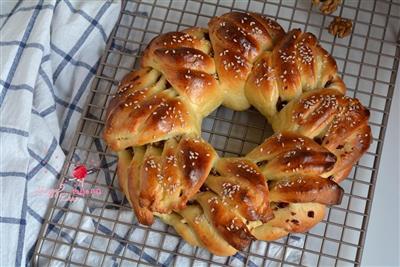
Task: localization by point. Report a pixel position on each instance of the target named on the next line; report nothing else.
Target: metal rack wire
(101, 229)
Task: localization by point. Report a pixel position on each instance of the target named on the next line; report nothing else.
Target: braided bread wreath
(282, 186)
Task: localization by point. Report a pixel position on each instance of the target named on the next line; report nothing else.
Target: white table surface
(382, 241)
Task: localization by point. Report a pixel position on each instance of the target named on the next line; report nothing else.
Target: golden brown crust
(290, 217)
(236, 205)
(184, 60)
(302, 189)
(340, 123)
(296, 64)
(205, 231)
(162, 181)
(190, 38)
(130, 184)
(238, 39)
(236, 199)
(225, 220)
(183, 68)
(242, 185)
(146, 113)
(124, 160)
(294, 165)
(283, 185)
(287, 154)
(299, 161)
(297, 217)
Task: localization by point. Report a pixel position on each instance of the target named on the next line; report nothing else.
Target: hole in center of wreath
(235, 133)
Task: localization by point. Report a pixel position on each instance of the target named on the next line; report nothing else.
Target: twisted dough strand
(338, 122)
(162, 179)
(238, 39)
(297, 64)
(144, 111)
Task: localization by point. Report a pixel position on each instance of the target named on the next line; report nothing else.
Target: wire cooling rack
(101, 230)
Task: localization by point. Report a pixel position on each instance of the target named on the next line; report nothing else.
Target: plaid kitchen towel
(49, 54)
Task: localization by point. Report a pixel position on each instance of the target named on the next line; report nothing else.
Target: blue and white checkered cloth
(49, 54)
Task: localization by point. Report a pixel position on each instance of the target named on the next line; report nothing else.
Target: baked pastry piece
(145, 110)
(238, 40)
(297, 64)
(283, 186)
(163, 177)
(339, 123)
(276, 189)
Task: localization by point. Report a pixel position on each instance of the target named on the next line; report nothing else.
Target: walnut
(327, 6)
(340, 27)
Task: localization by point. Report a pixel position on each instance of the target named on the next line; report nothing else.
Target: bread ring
(282, 186)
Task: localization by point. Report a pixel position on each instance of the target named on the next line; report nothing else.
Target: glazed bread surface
(165, 168)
